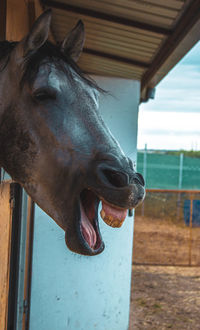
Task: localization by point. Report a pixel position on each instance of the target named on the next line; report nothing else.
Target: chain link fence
(167, 228)
(167, 224)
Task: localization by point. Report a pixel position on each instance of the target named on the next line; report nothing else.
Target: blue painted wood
(195, 212)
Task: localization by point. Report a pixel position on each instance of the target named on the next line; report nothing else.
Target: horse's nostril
(117, 179)
(139, 178)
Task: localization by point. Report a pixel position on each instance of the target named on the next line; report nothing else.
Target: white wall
(70, 291)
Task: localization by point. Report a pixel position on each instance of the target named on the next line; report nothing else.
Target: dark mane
(48, 52)
(5, 49)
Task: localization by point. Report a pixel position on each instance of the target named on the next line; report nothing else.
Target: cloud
(172, 120)
(169, 130)
(180, 89)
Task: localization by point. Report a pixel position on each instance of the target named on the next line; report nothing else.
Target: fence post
(144, 173)
(180, 184)
(180, 172)
(190, 231)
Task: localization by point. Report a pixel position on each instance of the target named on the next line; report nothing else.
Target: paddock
(165, 297)
(165, 265)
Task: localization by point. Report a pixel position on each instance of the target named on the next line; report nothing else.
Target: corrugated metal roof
(127, 38)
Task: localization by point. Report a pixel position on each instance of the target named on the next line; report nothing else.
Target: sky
(172, 119)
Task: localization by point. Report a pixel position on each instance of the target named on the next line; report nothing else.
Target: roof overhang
(137, 39)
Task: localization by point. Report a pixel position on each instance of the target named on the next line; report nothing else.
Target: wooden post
(180, 185)
(2, 19)
(5, 235)
(17, 19)
(190, 230)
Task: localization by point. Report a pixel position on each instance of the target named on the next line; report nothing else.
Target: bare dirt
(165, 297)
(158, 241)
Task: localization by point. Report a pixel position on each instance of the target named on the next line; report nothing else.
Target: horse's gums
(54, 142)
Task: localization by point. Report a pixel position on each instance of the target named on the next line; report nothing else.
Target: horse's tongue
(87, 229)
(113, 216)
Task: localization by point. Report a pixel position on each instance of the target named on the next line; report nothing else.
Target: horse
(54, 142)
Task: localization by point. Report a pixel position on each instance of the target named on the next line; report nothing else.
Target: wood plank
(98, 61)
(65, 24)
(124, 48)
(68, 18)
(17, 21)
(173, 4)
(107, 37)
(2, 19)
(110, 47)
(125, 39)
(132, 9)
(108, 70)
(115, 49)
(5, 230)
(112, 73)
(126, 21)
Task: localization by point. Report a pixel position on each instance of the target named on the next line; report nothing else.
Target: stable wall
(70, 291)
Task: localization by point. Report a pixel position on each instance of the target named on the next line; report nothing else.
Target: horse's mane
(48, 52)
(6, 47)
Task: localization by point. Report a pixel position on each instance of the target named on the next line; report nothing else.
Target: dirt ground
(157, 241)
(165, 297)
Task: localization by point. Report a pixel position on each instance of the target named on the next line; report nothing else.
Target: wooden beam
(184, 25)
(116, 58)
(105, 16)
(2, 19)
(17, 19)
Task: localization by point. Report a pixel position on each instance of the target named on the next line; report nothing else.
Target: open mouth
(89, 224)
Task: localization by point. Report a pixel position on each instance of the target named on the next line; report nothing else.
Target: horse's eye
(44, 95)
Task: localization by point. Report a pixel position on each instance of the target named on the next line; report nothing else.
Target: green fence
(169, 171)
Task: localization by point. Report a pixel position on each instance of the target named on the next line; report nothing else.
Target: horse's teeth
(102, 214)
(113, 222)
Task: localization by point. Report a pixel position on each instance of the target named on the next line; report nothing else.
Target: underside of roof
(134, 39)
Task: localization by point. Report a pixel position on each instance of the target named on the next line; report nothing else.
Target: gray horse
(54, 142)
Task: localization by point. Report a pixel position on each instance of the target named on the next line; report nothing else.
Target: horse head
(54, 142)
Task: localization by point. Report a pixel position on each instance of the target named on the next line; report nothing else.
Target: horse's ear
(73, 43)
(39, 33)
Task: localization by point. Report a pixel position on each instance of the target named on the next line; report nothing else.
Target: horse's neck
(5, 50)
